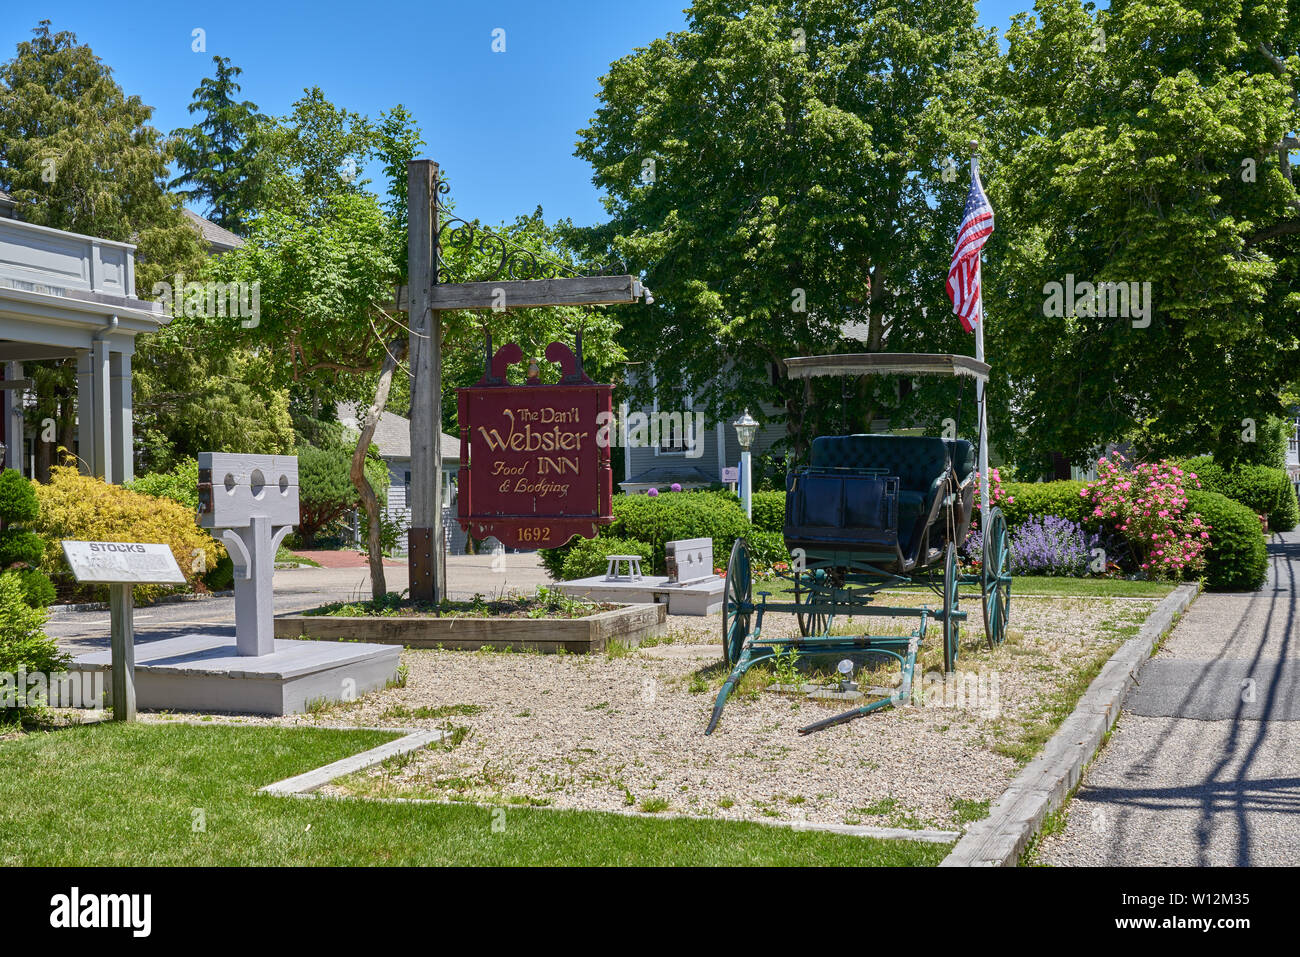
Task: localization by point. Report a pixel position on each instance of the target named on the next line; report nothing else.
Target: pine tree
(77, 153)
(219, 156)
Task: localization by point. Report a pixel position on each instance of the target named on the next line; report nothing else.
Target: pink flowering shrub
(1148, 507)
(997, 494)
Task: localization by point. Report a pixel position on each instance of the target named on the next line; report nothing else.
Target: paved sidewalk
(343, 558)
(1203, 767)
(297, 589)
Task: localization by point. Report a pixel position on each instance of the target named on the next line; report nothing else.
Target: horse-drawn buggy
(871, 513)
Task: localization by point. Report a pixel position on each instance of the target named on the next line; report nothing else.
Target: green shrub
(767, 511)
(18, 545)
(221, 577)
(666, 517)
(1237, 559)
(765, 548)
(676, 515)
(1059, 498)
(22, 549)
(81, 508)
(553, 558)
(181, 484)
(23, 642)
(1264, 490)
(18, 502)
(36, 586)
(590, 556)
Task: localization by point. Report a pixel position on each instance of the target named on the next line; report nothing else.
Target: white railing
(51, 261)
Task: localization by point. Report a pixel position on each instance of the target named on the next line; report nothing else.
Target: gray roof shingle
(393, 434)
(220, 240)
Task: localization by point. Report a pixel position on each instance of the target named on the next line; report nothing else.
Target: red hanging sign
(533, 470)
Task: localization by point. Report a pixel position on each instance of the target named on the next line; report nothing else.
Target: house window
(672, 431)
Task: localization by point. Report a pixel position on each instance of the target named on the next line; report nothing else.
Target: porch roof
(61, 291)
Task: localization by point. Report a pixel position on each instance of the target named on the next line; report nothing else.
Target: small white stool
(633, 568)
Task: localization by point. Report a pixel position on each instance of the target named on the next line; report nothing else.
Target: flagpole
(980, 401)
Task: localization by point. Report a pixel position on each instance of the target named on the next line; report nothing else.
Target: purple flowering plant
(1052, 545)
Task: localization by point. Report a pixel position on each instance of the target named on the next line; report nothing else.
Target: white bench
(633, 563)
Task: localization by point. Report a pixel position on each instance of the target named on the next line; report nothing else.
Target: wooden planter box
(629, 624)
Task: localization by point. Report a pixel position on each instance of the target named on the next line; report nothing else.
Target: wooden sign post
(424, 297)
(121, 565)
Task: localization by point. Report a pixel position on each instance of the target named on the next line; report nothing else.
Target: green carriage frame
(842, 576)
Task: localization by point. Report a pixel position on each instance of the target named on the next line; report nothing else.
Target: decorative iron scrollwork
(513, 260)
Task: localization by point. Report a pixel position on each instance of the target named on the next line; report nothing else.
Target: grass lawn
(1095, 587)
(114, 794)
(782, 590)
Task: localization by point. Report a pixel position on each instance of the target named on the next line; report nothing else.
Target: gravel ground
(624, 730)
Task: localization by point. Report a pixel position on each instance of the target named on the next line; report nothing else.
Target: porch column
(101, 427)
(85, 414)
(123, 437)
(13, 417)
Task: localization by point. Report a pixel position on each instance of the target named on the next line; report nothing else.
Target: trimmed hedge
(590, 556)
(767, 510)
(1038, 499)
(1264, 490)
(661, 519)
(1236, 559)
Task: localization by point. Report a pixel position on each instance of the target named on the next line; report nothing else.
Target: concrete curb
(310, 781)
(1045, 783)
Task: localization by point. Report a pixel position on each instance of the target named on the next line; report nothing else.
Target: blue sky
(503, 125)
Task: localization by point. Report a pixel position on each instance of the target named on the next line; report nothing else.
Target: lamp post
(746, 426)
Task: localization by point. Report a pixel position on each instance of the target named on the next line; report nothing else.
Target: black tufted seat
(919, 463)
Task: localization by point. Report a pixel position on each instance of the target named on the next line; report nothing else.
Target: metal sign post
(120, 565)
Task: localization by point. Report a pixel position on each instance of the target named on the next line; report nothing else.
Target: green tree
(1151, 143)
(324, 253)
(219, 157)
(326, 490)
(77, 153)
(772, 157)
(193, 395)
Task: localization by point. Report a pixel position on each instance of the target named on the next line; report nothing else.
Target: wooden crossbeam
(530, 293)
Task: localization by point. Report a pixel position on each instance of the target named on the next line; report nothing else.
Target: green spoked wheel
(737, 602)
(811, 623)
(995, 590)
(951, 603)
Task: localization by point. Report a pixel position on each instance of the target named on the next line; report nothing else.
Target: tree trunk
(394, 352)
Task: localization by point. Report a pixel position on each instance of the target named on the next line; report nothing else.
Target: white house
(393, 440)
(682, 447)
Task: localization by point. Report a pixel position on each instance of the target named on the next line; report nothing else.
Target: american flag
(964, 273)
